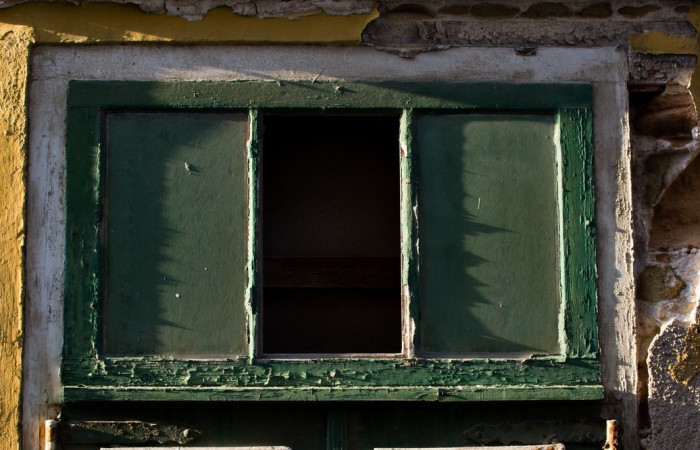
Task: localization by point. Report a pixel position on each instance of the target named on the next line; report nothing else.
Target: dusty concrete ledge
(430, 34)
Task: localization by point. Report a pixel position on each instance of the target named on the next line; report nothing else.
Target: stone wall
(665, 143)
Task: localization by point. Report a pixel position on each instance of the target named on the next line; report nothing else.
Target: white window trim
(52, 67)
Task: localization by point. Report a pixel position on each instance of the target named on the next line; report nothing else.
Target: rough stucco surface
(13, 73)
(673, 402)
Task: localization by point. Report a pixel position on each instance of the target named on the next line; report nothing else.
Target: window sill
(158, 379)
(325, 394)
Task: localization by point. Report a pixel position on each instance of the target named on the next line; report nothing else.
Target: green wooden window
(329, 241)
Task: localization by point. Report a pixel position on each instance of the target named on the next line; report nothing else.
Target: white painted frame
(53, 66)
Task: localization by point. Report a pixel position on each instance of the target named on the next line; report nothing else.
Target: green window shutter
(489, 234)
(175, 224)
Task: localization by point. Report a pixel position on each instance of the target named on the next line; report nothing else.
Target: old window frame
(574, 373)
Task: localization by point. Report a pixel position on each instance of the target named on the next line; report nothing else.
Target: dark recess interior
(330, 234)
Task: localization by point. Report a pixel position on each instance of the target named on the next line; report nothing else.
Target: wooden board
(489, 233)
(322, 272)
(175, 234)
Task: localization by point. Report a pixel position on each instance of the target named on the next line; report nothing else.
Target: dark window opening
(330, 235)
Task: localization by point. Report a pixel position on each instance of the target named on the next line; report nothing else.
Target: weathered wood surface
(488, 213)
(175, 233)
(337, 427)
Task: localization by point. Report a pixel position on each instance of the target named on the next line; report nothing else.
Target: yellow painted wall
(25, 25)
(13, 125)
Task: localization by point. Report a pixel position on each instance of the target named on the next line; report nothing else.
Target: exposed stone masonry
(666, 181)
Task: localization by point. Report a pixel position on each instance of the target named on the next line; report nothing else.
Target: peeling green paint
(158, 378)
(325, 394)
(252, 269)
(89, 375)
(581, 306)
(409, 235)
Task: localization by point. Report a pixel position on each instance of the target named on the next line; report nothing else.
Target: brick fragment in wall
(647, 69)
